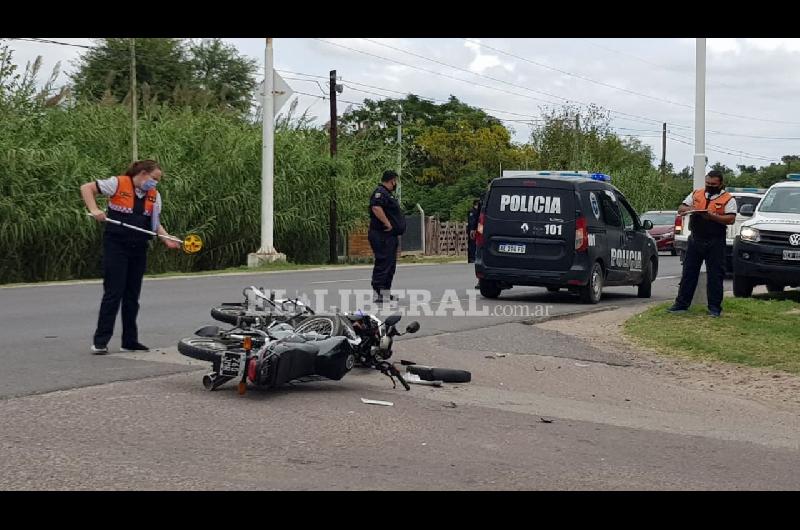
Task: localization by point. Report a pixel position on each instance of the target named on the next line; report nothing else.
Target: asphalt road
(46, 330)
(543, 410)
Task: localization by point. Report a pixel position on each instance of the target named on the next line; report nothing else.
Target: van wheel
(593, 291)
(489, 289)
(646, 287)
(775, 287)
(742, 286)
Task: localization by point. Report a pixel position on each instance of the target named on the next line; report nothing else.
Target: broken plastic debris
(377, 402)
(580, 364)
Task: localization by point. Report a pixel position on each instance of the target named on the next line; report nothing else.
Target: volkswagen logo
(794, 240)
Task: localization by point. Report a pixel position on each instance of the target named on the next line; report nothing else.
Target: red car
(663, 230)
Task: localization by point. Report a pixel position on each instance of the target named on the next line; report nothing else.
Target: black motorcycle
(321, 346)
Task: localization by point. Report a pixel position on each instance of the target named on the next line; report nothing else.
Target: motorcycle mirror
(391, 320)
(412, 327)
(207, 331)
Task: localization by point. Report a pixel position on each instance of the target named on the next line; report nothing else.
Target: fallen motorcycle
(257, 305)
(320, 346)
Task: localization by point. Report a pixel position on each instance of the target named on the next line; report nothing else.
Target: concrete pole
(699, 181)
(267, 253)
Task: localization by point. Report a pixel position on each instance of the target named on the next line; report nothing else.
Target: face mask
(713, 190)
(148, 185)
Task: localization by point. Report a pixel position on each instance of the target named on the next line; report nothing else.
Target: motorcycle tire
(445, 375)
(202, 348)
(231, 313)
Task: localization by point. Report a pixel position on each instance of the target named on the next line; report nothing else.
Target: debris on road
(582, 365)
(450, 405)
(542, 420)
(377, 402)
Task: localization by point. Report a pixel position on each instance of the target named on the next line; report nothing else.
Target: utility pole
(267, 253)
(664, 150)
(134, 121)
(700, 296)
(399, 154)
(333, 251)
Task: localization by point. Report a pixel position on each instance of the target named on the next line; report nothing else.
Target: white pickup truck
(767, 248)
(743, 196)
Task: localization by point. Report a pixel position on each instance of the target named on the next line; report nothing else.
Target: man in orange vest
(706, 242)
(133, 200)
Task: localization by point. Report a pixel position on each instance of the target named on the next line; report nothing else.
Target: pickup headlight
(748, 234)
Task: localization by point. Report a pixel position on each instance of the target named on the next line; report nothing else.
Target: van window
(611, 214)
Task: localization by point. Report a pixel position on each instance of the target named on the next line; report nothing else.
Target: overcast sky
(752, 97)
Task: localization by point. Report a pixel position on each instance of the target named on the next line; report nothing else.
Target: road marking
(667, 277)
(337, 281)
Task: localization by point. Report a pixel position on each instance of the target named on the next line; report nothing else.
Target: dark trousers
(712, 251)
(384, 247)
(470, 250)
(124, 264)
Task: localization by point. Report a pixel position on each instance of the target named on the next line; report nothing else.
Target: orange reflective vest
(706, 228)
(124, 198)
(716, 206)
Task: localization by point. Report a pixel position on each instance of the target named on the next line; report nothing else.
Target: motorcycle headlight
(386, 343)
(749, 234)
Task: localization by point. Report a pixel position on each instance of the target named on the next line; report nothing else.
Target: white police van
(561, 229)
(767, 249)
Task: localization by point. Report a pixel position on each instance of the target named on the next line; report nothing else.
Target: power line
(537, 117)
(740, 116)
(47, 41)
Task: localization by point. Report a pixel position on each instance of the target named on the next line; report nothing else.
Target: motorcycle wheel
(202, 348)
(329, 326)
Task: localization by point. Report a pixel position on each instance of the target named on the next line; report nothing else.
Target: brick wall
(358, 244)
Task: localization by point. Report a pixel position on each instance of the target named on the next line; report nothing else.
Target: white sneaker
(99, 351)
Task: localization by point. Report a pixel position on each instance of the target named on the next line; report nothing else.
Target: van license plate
(793, 255)
(514, 249)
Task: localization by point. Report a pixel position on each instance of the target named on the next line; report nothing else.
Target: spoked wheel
(323, 325)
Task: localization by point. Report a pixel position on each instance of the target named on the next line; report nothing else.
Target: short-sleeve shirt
(108, 187)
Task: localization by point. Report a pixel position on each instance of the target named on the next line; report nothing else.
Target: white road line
(337, 281)
(667, 277)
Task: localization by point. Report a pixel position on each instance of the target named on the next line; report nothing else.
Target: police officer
(386, 222)
(706, 242)
(133, 200)
(472, 227)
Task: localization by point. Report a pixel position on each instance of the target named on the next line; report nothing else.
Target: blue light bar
(601, 176)
(793, 176)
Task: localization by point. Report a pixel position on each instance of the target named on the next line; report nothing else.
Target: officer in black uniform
(386, 222)
(472, 227)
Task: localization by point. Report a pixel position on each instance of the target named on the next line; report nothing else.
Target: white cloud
(483, 62)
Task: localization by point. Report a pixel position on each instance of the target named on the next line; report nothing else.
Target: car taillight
(581, 235)
(479, 231)
(678, 224)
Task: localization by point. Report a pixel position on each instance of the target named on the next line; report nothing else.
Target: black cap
(388, 175)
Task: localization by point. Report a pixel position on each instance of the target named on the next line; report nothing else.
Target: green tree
(162, 65)
(227, 76)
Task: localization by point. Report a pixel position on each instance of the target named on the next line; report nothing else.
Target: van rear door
(530, 224)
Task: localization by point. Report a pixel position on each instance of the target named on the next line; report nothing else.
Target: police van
(767, 248)
(562, 229)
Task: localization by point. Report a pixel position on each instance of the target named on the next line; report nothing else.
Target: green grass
(763, 331)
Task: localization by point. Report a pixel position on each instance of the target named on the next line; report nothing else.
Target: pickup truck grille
(775, 238)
